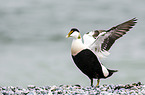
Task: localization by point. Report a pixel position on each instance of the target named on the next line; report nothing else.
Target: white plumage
(95, 43)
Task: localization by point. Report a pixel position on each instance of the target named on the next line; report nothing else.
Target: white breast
(77, 46)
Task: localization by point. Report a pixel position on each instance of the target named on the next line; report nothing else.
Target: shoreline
(134, 89)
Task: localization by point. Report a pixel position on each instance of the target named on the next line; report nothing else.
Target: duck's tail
(111, 72)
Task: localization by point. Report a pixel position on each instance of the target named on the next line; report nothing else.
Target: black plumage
(89, 64)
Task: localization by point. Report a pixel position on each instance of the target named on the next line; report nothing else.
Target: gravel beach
(128, 89)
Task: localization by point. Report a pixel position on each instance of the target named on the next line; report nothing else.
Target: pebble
(128, 89)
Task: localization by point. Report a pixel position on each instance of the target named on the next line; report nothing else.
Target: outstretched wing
(117, 32)
(103, 40)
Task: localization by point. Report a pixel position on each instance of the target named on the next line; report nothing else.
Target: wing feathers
(100, 41)
(117, 32)
(124, 26)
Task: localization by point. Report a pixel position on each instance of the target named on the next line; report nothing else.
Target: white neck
(77, 46)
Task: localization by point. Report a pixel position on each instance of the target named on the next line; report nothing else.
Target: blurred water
(34, 50)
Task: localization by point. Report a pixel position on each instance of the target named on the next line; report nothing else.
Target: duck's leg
(98, 82)
(92, 82)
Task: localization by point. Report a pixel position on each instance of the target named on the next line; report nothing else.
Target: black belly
(88, 63)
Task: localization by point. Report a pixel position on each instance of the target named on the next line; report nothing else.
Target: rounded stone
(30, 87)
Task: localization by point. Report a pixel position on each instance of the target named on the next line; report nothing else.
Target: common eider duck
(95, 46)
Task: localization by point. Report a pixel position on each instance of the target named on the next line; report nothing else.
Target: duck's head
(75, 33)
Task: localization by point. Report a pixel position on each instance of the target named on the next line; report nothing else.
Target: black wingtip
(135, 19)
(113, 71)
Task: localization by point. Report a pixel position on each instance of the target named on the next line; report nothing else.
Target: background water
(34, 50)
